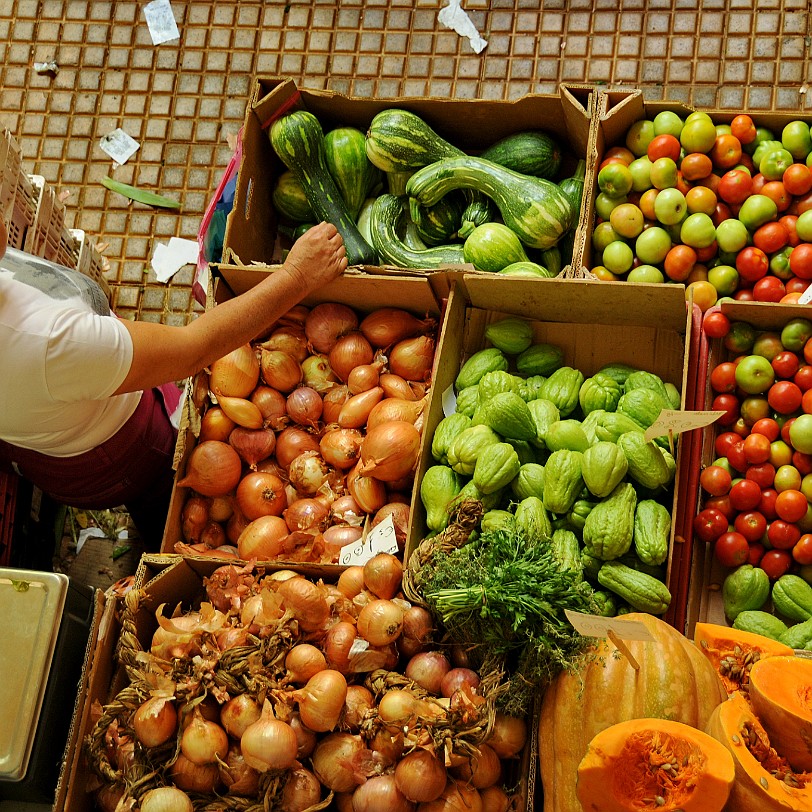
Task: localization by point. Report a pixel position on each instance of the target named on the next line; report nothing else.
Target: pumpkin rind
(654, 764)
(781, 695)
(756, 786)
(674, 682)
(720, 643)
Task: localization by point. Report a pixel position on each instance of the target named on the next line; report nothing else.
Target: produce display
(312, 433)
(273, 690)
(754, 511)
(402, 195)
(723, 208)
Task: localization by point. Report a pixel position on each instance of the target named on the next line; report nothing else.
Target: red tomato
(782, 535)
(802, 551)
(791, 505)
(768, 427)
(797, 179)
(743, 128)
(722, 504)
(735, 186)
(778, 194)
(752, 525)
(771, 237)
(728, 403)
(786, 364)
(731, 549)
(776, 563)
(741, 428)
(756, 448)
(806, 401)
(800, 260)
(789, 221)
(664, 146)
(735, 456)
(803, 377)
(803, 462)
(796, 285)
(709, 524)
(785, 427)
(715, 480)
(767, 504)
(716, 325)
(763, 475)
(724, 441)
(745, 494)
(752, 263)
(784, 396)
(755, 554)
(723, 377)
(769, 289)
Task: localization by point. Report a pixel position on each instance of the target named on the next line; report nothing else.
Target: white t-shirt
(62, 355)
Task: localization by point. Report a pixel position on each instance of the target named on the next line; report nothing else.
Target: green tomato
(757, 210)
(698, 230)
(774, 163)
(652, 245)
(641, 173)
(602, 235)
(604, 204)
(779, 264)
(803, 226)
(639, 136)
(615, 180)
(725, 278)
(731, 235)
(763, 148)
(795, 334)
(645, 273)
(618, 257)
(797, 140)
(668, 123)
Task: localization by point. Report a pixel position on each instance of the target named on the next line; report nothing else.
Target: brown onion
(421, 776)
(337, 645)
(355, 411)
(388, 745)
(380, 622)
(413, 358)
(262, 538)
(380, 794)
(272, 405)
(306, 513)
(235, 525)
(333, 761)
(357, 705)
(280, 370)
(235, 374)
(221, 508)
(292, 442)
(194, 517)
(480, 770)
(351, 581)
(458, 678)
(194, 777)
(368, 492)
(389, 325)
(364, 377)
(396, 387)
(239, 778)
(304, 406)
(213, 535)
(494, 799)
(427, 669)
(318, 374)
(341, 448)
(110, 797)
(203, 742)
(290, 339)
(334, 400)
(216, 425)
(399, 708)
(508, 735)
(339, 536)
(303, 661)
(306, 600)
(350, 351)
(239, 713)
(295, 316)
(260, 494)
(389, 451)
(165, 799)
(243, 412)
(213, 469)
(456, 797)
(383, 575)
(400, 512)
(305, 737)
(269, 743)
(308, 473)
(253, 445)
(327, 322)
(390, 409)
(321, 701)
(302, 791)
(155, 721)
(345, 510)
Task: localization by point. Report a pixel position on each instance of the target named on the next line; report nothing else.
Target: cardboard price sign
(598, 626)
(381, 539)
(672, 422)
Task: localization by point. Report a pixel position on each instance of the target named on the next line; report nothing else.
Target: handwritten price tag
(381, 539)
(597, 626)
(806, 296)
(675, 422)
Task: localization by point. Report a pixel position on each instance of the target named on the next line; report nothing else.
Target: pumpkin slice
(674, 681)
(764, 780)
(781, 695)
(732, 652)
(654, 764)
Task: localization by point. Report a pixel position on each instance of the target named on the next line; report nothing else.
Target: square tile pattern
(182, 100)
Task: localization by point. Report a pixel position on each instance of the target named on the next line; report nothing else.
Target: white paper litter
(88, 533)
(119, 146)
(161, 21)
(167, 260)
(452, 16)
(46, 68)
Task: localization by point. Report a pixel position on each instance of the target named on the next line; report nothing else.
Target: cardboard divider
(252, 228)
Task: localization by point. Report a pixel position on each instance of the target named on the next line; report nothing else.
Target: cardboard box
(705, 603)
(362, 293)
(472, 125)
(595, 323)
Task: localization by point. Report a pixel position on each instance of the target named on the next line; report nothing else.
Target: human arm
(162, 353)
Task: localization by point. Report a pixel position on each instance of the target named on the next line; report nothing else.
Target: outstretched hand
(317, 257)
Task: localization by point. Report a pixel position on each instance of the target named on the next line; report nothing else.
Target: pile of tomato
(725, 209)
(756, 493)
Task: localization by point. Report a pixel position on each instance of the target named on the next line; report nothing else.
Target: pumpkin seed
(704, 644)
(764, 782)
(659, 800)
(735, 739)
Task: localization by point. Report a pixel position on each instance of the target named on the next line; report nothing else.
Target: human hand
(317, 257)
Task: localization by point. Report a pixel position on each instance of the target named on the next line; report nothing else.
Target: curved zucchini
(347, 161)
(531, 152)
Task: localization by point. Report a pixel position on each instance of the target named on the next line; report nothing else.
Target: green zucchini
(478, 212)
(530, 270)
(396, 182)
(551, 259)
(573, 189)
(363, 219)
(290, 200)
(535, 209)
(346, 157)
(438, 223)
(492, 247)
(386, 218)
(531, 152)
(298, 140)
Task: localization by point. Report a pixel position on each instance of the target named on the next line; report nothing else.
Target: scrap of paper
(167, 260)
(161, 21)
(119, 146)
(88, 533)
(452, 16)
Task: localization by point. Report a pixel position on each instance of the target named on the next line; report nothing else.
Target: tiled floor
(184, 100)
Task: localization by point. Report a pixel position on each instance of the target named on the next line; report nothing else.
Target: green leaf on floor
(120, 550)
(139, 195)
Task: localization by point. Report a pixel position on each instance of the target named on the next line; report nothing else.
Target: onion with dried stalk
(389, 451)
(413, 358)
(235, 374)
(213, 469)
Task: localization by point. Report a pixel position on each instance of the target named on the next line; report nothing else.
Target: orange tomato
(789, 221)
(626, 155)
(701, 198)
(797, 179)
(743, 128)
(776, 191)
(664, 146)
(726, 151)
(771, 237)
(790, 298)
(696, 165)
(708, 252)
(646, 204)
(679, 262)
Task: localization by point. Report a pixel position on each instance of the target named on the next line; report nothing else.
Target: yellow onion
(290, 339)
(358, 704)
(242, 411)
(350, 351)
(337, 645)
(306, 601)
(295, 317)
(399, 511)
(380, 622)
(321, 700)
(341, 448)
(253, 445)
(304, 406)
(339, 536)
(345, 510)
(203, 742)
(351, 581)
(216, 425)
(235, 374)
(238, 714)
(413, 358)
(308, 473)
(494, 799)
(427, 669)
(390, 409)
(421, 776)
(380, 794)
(221, 508)
(355, 411)
(388, 325)
(165, 799)
(318, 374)
(396, 387)
(327, 322)
(238, 777)
(213, 535)
(269, 743)
(262, 538)
(508, 735)
(368, 492)
(194, 517)
(294, 441)
(480, 770)
(383, 574)
(302, 790)
(304, 514)
(194, 777)
(155, 721)
(260, 494)
(280, 370)
(333, 761)
(389, 451)
(303, 661)
(272, 406)
(214, 468)
(456, 797)
(364, 377)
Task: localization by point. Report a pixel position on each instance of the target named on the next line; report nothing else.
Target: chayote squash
(610, 426)
(530, 387)
(576, 515)
(599, 392)
(644, 593)
(544, 413)
(642, 405)
(609, 527)
(468, 445)
(497, 520)
(487, 360)
(646, 462)
(798, 636)
(562, 388)
(508, 415)
(437, 490)
(747, 587)
(792, 597)
(590, 565)
(496, 468)
(495, 383)
(562, 480)
(640, 379)
(540, 359)
(652, 531)
(763, 623)
(604, 466)
(445, 434)
(605, 602)
(567, 551)
(568, 434)
(525, 451)
(533, 520)
(513, 336)
(617, 372)
(490, 501)
(467, 400)
(529, 481)
(674, 397)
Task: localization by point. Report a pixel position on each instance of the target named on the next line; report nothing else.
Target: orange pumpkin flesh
(781, 695)
(764, 780)
(674, 682)
(732, 652)
(654, 764)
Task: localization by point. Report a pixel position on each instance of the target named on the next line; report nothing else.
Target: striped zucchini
(531, 152)
(535, 209)
(346, 157)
